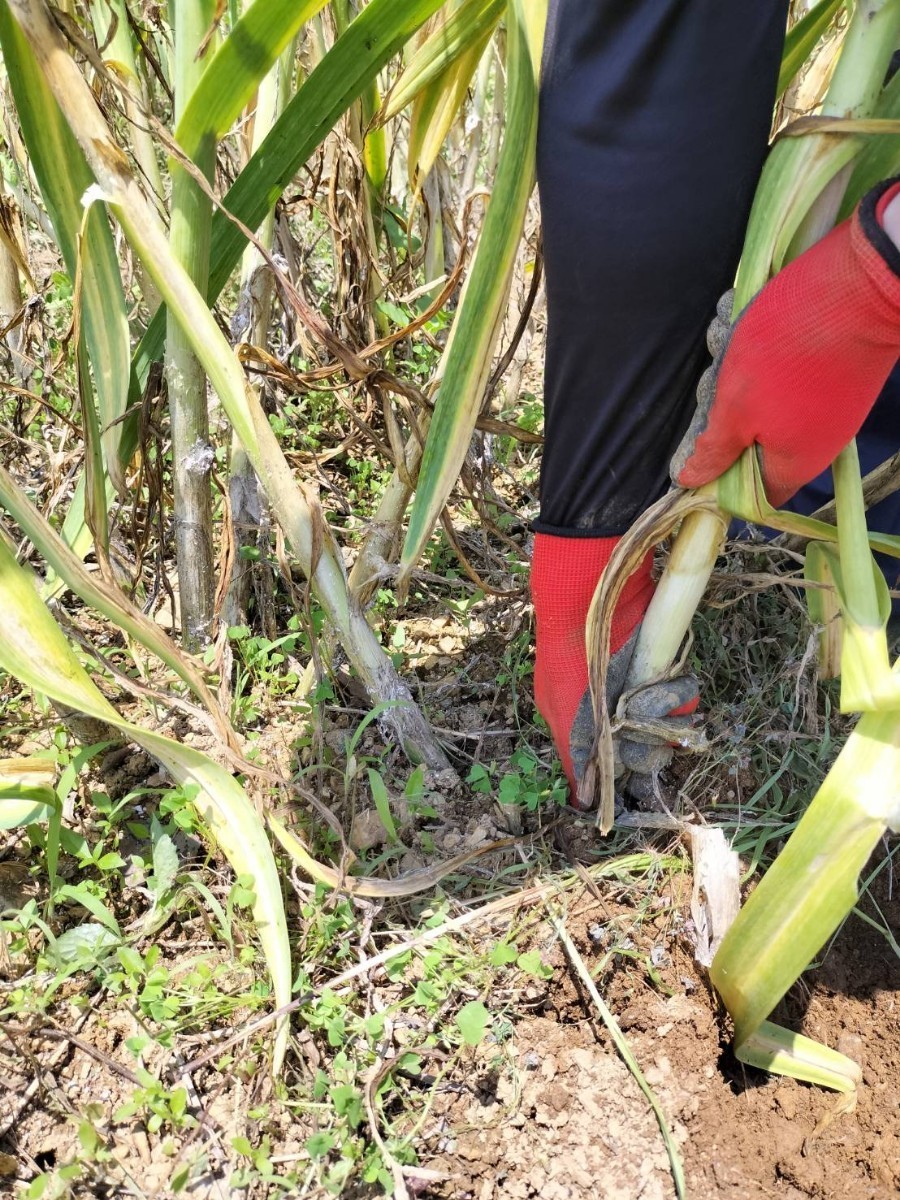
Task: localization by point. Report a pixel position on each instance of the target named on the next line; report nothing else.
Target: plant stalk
(192, 454)
(679, 592)
(249, 517)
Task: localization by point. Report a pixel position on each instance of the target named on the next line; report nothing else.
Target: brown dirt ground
(558, 1115)
(551, 1111)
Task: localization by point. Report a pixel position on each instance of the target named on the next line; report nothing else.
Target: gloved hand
(803, 364)
(564, 574)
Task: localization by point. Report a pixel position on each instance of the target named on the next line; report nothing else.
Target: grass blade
(473, 21)
(63, 176)
(435, 108)
(235, 71)
(467, 360)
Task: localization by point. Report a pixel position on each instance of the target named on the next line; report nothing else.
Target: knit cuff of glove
(877, 252)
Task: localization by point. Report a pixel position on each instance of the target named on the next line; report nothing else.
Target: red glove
(564, 574)
(805, 361)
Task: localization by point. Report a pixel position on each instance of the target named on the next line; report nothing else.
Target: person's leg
(654, 118)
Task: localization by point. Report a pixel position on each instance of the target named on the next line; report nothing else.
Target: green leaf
(88, 1137)
(467, 360)
(532, 964)
(471, 23)
(383, 804)
(479, 779)
(472, 1020)
(178, 1102)
(82, 943)
(502, 954)
(165, 859)
(63, 177)
(110, 862)
(320, 1144)
(130, 960)
(409, 1061)
(242, 896)
(347, 1103)
(510, 789)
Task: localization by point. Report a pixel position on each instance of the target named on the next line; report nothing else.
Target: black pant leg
(654, 119)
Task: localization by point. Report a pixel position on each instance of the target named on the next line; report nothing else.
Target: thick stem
(475, 125)
(192, 454)
(675, 600)
(382, 543)
(676, 508)
(249, 515)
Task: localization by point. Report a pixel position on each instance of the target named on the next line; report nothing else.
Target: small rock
(851, 1044)
(787, 1102)
(549, 1067)
(367, 830)
(411, 861)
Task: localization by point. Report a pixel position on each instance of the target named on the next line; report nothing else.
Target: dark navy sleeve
(654, 120)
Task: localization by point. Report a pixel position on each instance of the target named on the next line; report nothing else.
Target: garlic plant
(812, 886)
